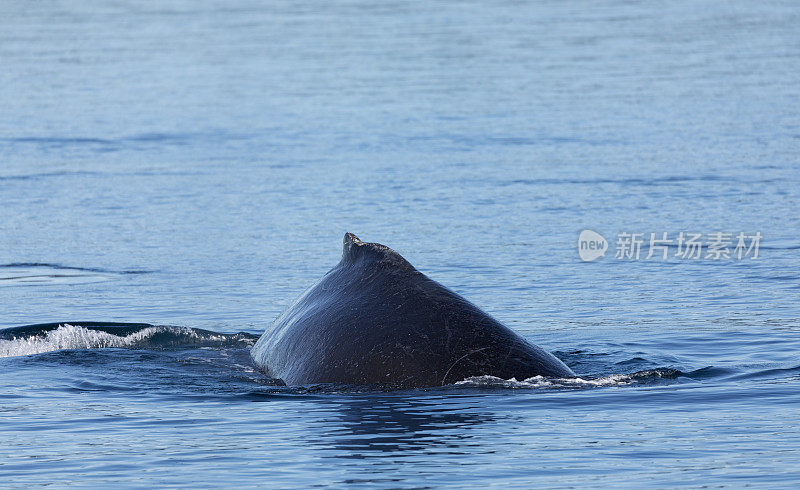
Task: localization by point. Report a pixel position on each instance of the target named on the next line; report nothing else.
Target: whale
(375, 320)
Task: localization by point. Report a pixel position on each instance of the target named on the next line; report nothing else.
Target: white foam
(540, 382)
(70, 337)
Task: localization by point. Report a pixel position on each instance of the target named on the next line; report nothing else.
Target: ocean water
(178, 172)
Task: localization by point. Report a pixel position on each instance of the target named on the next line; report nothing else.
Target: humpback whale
(376, 320)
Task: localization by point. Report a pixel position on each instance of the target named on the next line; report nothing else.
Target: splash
(68, 336)
(540, 382)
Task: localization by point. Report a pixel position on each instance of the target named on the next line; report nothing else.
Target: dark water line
(73, 268)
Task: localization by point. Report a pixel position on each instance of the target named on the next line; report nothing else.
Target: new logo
(591, 245)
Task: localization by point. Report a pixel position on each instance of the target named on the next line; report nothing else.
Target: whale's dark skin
(376, 320)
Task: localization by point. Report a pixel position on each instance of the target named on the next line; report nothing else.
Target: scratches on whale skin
(475, 351)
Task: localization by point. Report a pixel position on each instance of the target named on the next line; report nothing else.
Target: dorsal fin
(355, 249)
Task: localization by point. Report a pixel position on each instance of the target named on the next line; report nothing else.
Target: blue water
(194, 165)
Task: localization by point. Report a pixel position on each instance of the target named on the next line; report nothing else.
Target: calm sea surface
(194, 165)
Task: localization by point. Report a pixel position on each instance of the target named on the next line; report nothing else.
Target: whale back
(375, 320)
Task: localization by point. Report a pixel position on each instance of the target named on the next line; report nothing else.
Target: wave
(38, 339)
(540, 382)
(66, 267)
(42, 273)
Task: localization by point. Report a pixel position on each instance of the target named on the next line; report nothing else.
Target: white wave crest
(70, 337)
(540, 382)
